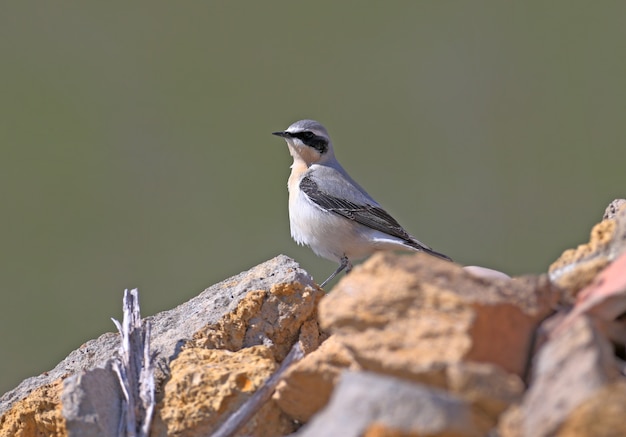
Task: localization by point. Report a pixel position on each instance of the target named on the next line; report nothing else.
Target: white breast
(331, 236)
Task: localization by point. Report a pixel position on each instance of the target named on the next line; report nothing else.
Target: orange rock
(273, 304)
(207, 386)
(409, 316)
(576, 268)
(382, 430)
(308, 384)
(366, 403)
(271, 317)
(39, 414)
(601, 415)
(605, 300)
(490, 389)
(428, 321)
(570, 370)
(511, 423)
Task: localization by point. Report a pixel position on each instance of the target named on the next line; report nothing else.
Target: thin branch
(135, 370)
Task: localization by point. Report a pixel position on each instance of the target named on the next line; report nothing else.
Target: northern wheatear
(329, 211)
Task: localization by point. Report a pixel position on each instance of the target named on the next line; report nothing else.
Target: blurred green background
(136, 148)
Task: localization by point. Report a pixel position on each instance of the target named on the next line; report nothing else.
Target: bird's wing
(352, 203)
(332, 189)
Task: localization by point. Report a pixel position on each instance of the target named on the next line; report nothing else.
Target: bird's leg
(349, 266)
(344, 265)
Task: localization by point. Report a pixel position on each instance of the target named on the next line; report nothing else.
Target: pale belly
(332, 236)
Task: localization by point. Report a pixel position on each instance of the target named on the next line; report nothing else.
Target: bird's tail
(437, 254)
(419, 246)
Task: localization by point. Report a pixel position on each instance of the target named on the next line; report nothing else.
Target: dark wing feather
(373, 217)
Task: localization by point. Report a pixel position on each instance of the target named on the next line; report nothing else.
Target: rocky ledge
(405, 345)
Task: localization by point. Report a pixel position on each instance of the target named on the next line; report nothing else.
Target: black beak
(282, 134)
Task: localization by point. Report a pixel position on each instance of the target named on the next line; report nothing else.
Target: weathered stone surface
(37, 415)
(427, 321)
(487, 387)
(403, 346)
(369, 404)
(568, 371)
(602, 415)
(613, 208)
(207, 385)
(576, 268)
(510, 423)
(272, 317)
(91, 403)
(306, 387)
(285, 296)
(604, 299)
(310, 335)
(408, 315)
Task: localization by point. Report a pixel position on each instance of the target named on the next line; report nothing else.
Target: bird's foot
(344, 265)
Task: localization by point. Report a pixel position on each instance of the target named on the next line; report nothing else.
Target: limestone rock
(403, 346)
(91, 402)
(206, 385)
(576, 268)
(613, 208)
(424, 320)
(307, 385)
(266, 305)
(487, 387)
(605, 300)
(38, 414)
(568, 371)
(510, 423)
(270, 317)
(409, 315)
(601, 415)
(375, 405)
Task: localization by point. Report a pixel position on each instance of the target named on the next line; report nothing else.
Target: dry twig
(135, 370)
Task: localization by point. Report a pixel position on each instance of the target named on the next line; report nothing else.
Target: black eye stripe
(310, 139)
(304, 136)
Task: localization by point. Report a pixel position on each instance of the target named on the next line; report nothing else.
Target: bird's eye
(307, 135)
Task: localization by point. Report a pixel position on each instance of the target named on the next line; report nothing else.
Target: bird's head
(308, 141)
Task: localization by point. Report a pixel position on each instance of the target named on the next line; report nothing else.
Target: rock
(576, 268)
(613, 208)
(604, 299)
(510, 423)
(369, 404)
(307, 385)
(39, 414)
(270, 317)
(487, 387)
(408, 316)
(91, 402)
(568, 371)
(403, 346)
(424, 320)
(601, 415)
(266, 305)
(206, 385)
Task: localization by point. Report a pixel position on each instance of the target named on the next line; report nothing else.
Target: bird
(329, 211)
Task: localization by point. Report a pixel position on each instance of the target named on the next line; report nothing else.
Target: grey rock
(92, 403)
(171, 329)
(568, 370)
(362, 399)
